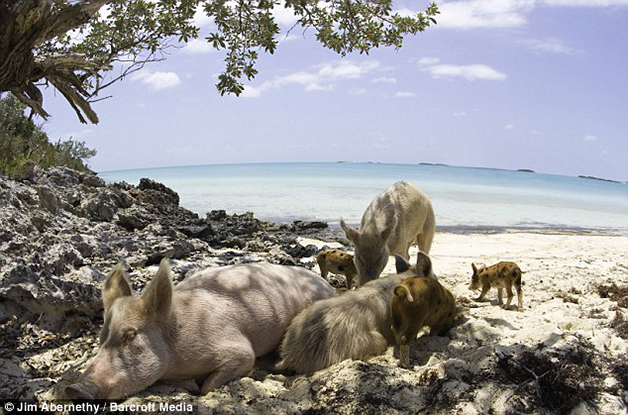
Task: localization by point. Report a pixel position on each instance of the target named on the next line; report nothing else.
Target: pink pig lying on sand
(211, 327)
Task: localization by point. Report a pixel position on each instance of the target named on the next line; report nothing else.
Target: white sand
(460, 373)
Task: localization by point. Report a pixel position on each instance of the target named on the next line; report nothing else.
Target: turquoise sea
(462, 197)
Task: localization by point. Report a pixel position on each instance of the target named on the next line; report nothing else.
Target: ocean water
(462, 197)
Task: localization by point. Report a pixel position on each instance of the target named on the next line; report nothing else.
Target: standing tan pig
(398, 217)
(211, 327)
(505, 274)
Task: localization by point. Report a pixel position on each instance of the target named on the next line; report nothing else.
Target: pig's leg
(323, 268)
(407, 255)
(238, 362)
(500, 296)
(350, 277)
(485, 289)
(519, 297)
(509, 300)
(404, 347)
(446, 322)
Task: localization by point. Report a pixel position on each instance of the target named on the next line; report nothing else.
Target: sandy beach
(566, 353)
(568, 341)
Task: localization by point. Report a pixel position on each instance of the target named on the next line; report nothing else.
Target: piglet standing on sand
(211, 327)
(417, 302)
(337, 262)
(504, 274)
(392, 222)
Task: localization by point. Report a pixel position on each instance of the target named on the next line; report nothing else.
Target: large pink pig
(211, 327)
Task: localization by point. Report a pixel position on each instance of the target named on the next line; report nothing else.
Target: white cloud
(284, 16)
(586, 3)
(405, 94)
(347, 70)
(198, 46)
(250, 92)
(469, 72)
(550, 45)
(504, 13)
(428, 61)
(590, 138)
(384, 80)
(509, 127)
(484, 13)
(323, 78)
(157, 80)
(357, 91)
(201, 19)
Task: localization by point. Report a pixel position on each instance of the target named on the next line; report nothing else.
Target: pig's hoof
(404, 365)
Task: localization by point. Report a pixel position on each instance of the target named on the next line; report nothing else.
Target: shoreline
(480, 229)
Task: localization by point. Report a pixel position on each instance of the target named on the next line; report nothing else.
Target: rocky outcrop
(62, 230)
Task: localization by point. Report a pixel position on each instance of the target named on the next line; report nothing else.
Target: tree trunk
(27, 24)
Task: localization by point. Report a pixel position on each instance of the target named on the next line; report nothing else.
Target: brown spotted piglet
(337, 262)
(502, 275)
(417, 302)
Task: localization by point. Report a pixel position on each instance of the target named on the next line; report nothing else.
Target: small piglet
(354, 325)
(210, 327)
(417, 302)
(398, 217)
(337, 262)
(504, 274)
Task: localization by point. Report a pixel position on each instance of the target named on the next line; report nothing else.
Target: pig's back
(403, 200)
(258, 300)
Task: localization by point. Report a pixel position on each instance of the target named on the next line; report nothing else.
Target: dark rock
(131, 222)
(201, 231)
(61, 176)
(92, 180)
(216, 215)
(175, 250)
(161, 194)
(47, 199)
(305, 225)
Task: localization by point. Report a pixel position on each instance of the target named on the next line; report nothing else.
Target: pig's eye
(128, 335)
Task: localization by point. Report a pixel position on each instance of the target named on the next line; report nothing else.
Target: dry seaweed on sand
(614, 293)
(556, 381)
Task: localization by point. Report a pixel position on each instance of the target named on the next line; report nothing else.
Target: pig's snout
(82, 391)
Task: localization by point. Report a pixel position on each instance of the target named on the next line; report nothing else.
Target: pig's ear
(157, 295)
(401, 291)
(423, 264)
(401, 265)
(116, 285)
(351, 233)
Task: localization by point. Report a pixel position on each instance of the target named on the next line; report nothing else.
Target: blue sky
(539, 84)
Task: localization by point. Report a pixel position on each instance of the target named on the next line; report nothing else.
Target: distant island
(526, 170)
(434, 164)
(601, 179)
